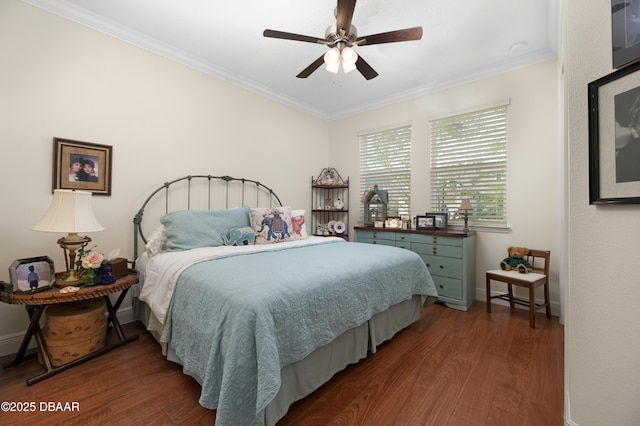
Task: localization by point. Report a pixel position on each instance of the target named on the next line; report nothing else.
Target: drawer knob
(441, 286)
(402, 237)
(375, 242)
(441, 267)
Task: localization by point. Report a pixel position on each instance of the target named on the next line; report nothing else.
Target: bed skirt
(303, 377)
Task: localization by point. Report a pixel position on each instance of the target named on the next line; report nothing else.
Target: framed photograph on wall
(424, 223)
(614, 137)
(82, 165)
(440, 220)
(625, 31)
(32, 275)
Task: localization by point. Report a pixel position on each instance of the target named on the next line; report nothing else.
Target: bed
(265, 321)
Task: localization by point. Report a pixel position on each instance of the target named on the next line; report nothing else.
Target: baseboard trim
(10, 344)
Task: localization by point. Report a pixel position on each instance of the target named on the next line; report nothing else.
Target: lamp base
(70, 244)
(68, 278)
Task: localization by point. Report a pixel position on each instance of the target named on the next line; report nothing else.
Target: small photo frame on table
(614, 137)
(440, 220)
(425, 223)
(82, 165)
(625, 32)
(32, 275)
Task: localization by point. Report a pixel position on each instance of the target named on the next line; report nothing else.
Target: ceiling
(463, 40)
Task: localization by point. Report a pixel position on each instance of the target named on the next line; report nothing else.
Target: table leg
(35, 313)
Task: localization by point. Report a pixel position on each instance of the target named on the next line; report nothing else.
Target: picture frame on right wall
(625, 32)
(614, 137)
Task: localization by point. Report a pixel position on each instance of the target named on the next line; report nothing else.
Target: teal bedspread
(237, 320)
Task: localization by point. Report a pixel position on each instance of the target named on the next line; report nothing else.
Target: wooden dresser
(450, 257)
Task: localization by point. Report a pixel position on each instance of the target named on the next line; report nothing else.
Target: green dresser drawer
(448, 287)
(437, 250)
(443, 266)
(436, 239)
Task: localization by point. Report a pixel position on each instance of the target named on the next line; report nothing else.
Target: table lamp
(70, 211)
(465, 206)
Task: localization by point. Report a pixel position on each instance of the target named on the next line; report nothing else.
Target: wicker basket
(75, 329)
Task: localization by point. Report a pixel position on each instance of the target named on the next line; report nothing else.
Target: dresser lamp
(70, 211)
(465, 206)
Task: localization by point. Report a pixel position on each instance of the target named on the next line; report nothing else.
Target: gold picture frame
(82, 165)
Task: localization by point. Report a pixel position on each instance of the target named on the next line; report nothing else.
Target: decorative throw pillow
(189, 229)
(272, 225)
(299, 228)
(157, 242)
(245, 236)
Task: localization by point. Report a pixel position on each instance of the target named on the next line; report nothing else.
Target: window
(385, 160)
(469, 159)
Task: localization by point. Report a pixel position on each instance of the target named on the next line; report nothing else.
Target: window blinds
(469, 159)
(385, 160)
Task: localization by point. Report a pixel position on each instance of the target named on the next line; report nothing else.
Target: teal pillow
(189, 229)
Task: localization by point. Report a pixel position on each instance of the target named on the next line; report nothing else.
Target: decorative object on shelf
(32, 275)
(614, 137)
(426, 222)
(375, 205)
(339, 227)
(440, 220)
(330, 201)
(70, 211)
(465, 206)
(82, 165)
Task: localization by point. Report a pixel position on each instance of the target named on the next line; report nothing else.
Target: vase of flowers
(89, 263)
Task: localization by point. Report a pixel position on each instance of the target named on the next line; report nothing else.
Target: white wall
(602, 369)
(163, 120)
(534, 158)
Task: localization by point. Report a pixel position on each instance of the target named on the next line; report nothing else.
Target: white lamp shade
(465, 205)
(70, 211)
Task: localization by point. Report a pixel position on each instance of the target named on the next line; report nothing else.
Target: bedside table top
(53, 295)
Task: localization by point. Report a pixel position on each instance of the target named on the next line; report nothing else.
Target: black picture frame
(425, 223)
(67, 154)
(20, 271)
(614, 151)
(625, 32)
(440, 220)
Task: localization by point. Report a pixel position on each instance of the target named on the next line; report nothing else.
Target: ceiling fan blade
(311, 68)
(407, 34)
(291, 36)
(365, 69)
(344, 15)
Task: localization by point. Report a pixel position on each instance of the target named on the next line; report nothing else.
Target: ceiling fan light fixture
(349, 56)
(333, 67)
(332, 56)
(347, 67)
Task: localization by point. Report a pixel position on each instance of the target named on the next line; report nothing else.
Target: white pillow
(157, 242)
(299, 231)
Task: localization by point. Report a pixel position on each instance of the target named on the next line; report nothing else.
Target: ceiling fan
(341, 37)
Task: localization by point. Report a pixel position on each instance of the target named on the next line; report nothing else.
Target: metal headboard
(203, 192)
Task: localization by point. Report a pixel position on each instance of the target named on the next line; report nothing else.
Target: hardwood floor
(449, 368)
